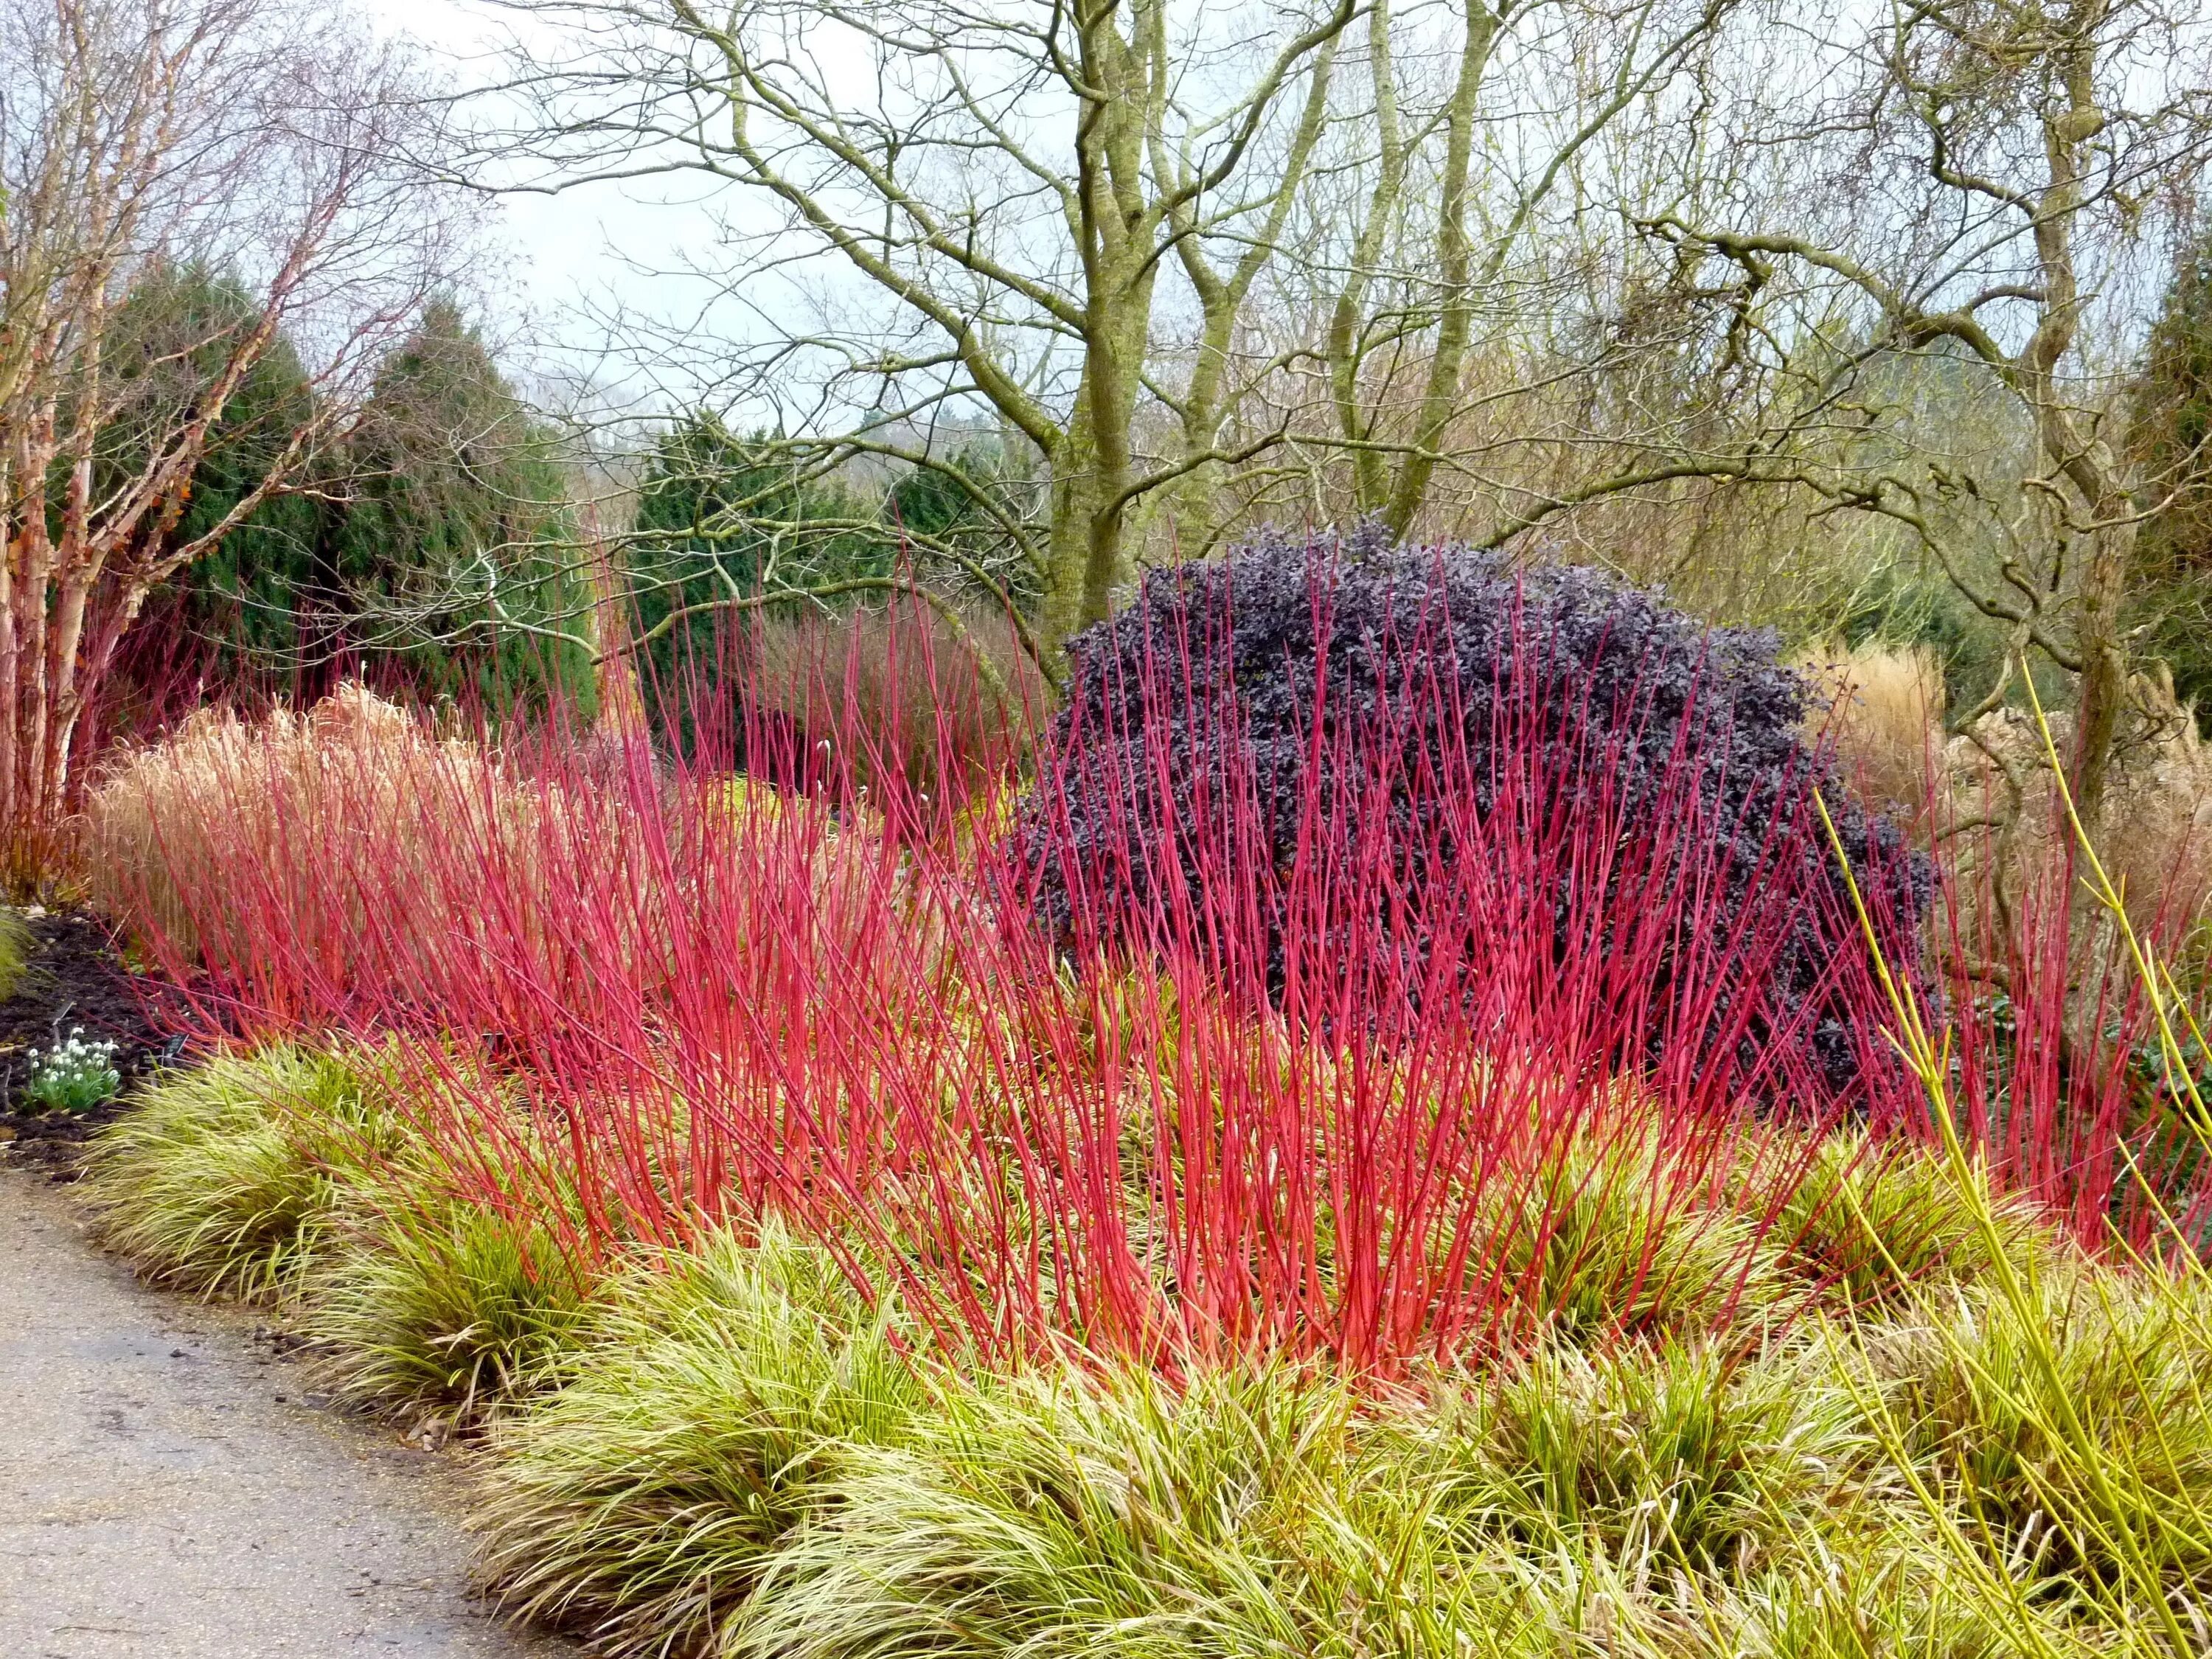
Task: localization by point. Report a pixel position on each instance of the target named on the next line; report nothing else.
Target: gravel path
(165, 1491)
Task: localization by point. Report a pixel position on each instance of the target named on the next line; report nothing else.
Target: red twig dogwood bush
(1368, 1084)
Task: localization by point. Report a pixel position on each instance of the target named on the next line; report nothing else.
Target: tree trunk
(2104, 681)
(1074, 502)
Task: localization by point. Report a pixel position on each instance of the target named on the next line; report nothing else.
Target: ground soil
(75, 978)
(169, 1491)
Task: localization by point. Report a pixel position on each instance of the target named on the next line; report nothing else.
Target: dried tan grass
(354, 827)
(373, 851)
(1985, 796)
(2153, 832)
(163, 815)
(1885, 718)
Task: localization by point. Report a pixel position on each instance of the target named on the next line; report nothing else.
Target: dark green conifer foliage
(457, 523)
(400, 551)
(927, 502)
(170, 337)
(721, 517)
(2172, 424)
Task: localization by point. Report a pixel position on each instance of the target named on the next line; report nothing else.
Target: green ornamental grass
(1069, 1511)
(1615, 1238)
(1987, 1446)
(224, 1178)
(718, 1403)
(440, 1313)
(1677, 1458)
(16, 947)
(1887, 1595)
(1866, 1220)
(2074, 1432)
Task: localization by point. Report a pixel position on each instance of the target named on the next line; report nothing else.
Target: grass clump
(287, 1173)
(1866, 1220)
(223, 1179)
(2070, 1424)
(1680, 1458)
(1072, 1513)
(16, 947)
(1875, 1599)
(1615, 1236)
(440, 1313)
(640, 1504)
(725, 1452)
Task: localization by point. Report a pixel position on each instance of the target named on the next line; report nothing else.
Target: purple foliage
(1264, 696)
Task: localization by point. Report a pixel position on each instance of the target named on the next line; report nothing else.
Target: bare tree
(990, 201)
(1960, 194)
(1460, 233)
(260, 144)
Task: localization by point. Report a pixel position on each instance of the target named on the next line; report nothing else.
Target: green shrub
(439, 1312)
(223, 1179)
(1074, 1513)
(638, 1505)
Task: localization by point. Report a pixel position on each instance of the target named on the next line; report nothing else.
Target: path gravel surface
(166, 1488)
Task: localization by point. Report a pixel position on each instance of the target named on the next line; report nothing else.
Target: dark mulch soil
(75, 978)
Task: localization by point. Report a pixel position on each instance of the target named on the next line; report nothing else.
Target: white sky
(555, 256)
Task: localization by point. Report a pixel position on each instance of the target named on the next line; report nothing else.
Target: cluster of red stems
(651, 996)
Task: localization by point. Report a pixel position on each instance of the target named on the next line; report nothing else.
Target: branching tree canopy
(143, 141)
(999, 195)
(1967, 191)
(1516, 270)
(1456, 226)
(1174, 252)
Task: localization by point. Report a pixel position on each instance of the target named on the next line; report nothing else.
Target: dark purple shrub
(1312, 763)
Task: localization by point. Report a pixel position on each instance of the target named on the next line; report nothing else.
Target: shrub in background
(935, 704)
(353, 857)
(1882, 709)
(715, 509)
(2155, 830)
(161, 816)
(1885, 716)
(1383, 713)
